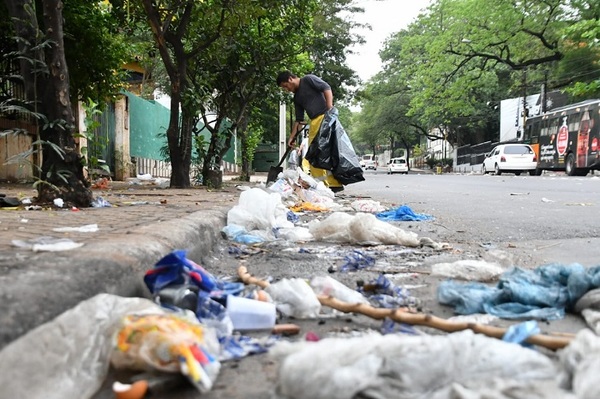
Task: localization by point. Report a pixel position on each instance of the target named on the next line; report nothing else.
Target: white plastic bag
(75, 347)
(468, 269)
(294, 297)
(361, 228)
(259, 210)
(328, 286)
(407, 367)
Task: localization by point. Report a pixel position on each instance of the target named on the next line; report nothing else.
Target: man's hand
(298, 126)
(292, 140)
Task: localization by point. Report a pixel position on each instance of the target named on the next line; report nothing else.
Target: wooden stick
(401, 315)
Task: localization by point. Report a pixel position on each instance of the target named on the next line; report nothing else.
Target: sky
(385, 18)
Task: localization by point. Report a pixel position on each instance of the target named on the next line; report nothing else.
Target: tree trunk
(242, 132)
(180, 174)
(181, 158)
(62, 168)
(211, 169)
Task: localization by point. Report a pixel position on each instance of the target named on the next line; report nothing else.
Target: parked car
(397, 165)
(368, 161)
(513, 158)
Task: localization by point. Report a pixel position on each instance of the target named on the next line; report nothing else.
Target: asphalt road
(531, 220)
(554, 217)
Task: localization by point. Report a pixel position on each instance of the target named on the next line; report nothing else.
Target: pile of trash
(263, 215)
(192, 324)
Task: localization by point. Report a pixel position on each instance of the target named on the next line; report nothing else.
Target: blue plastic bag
(402, 213)
(176, 269)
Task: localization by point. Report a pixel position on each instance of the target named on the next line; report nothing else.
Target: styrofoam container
(250, 314)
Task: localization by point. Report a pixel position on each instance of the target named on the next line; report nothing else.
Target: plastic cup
(250, 314)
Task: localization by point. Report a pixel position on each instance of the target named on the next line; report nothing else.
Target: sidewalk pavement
(144, 224)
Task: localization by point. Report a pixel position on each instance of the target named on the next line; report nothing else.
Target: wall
(11, 145)
(147, 121)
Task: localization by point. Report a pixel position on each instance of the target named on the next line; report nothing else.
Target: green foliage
(95, 48)
(11, 107)
(333, 39)
(95, 144)
(459, 56)
(198, 155)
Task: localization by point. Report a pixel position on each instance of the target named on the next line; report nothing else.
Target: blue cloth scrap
(386, 294)
(403, 213)
(239, 346)
(357, 260)
(389, 326)
(518, 333)
(292, 217)
(544, 293)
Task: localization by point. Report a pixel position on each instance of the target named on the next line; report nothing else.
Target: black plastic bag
(332, 150)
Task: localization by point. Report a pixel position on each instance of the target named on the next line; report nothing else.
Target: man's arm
(328, 99)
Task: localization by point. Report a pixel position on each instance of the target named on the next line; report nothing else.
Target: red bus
(566, 138)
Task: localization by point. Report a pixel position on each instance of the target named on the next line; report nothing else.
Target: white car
(513, 158)
(368, 161)
(397, 165)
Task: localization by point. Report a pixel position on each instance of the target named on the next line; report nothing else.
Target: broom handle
(284, 156)
(401, 315)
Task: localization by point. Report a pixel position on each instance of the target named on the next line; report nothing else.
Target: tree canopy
(459, 58)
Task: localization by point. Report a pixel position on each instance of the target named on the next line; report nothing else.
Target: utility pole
(282, 130)
(544, 93)
(524, 112)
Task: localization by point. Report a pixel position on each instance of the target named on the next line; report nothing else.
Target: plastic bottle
(181, 296)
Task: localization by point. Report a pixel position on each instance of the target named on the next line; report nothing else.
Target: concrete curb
(61, 280)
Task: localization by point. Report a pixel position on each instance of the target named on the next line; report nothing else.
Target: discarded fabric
(357, 260)
(543, 293)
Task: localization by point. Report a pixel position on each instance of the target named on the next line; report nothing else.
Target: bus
(566, 138)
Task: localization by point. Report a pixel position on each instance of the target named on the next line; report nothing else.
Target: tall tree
(334, 38)
(240, 69)
(46, 79)
(182, 30)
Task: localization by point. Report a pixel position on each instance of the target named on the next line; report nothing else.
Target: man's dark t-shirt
(310, 98)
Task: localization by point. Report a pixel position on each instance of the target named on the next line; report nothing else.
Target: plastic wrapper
(403, 213)
(368, 206)
(469, 269)
(170, 343)
(239, 234)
